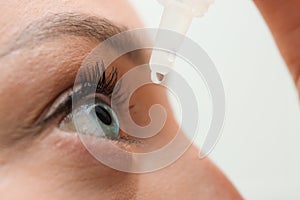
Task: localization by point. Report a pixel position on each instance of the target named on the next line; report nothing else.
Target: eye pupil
(103, 115)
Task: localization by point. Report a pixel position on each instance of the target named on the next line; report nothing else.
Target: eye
(107, 119)
(85, 108)
(93, 118)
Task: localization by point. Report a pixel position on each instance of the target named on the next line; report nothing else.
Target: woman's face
(42, 46)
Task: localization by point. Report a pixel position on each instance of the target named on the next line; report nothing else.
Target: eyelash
(89, 79)
(105, 85)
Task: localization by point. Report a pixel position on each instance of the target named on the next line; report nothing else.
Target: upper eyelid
(52, 111)
(63, 103)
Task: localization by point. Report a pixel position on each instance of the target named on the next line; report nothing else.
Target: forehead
(17, 14)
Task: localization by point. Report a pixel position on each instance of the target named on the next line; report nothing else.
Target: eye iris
(103, 115)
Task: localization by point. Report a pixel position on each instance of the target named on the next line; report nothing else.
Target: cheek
(59, 167)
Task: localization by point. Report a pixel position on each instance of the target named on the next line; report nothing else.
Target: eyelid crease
(89, 77)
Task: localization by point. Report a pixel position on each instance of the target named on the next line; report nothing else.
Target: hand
(283, 18)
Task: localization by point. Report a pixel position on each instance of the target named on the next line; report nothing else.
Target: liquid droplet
(160, 77)
(157, 77)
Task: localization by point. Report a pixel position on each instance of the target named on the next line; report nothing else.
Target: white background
(260, 146)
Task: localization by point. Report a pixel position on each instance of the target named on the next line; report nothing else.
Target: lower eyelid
(69, 148)
(65, 141)
(70, 145)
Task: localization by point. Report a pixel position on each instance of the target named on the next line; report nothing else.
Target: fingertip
(298, 85)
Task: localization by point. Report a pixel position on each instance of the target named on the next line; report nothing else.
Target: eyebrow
(63, 24)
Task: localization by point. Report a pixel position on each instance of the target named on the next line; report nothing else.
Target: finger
(283, 18)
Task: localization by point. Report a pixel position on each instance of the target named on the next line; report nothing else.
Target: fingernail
(298, 86)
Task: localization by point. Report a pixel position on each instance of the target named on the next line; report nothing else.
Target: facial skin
(37, 65)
